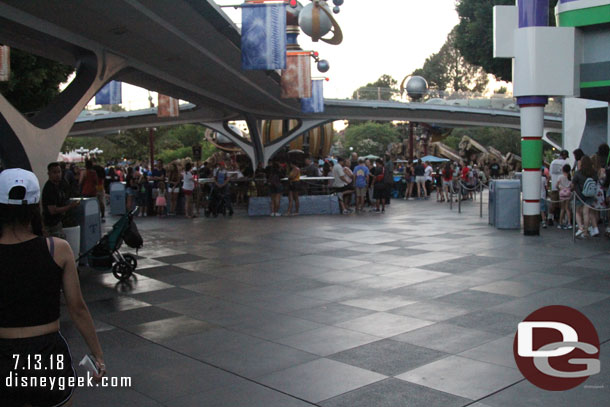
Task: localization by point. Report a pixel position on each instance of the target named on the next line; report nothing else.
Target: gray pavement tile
(475, 298)
(213, 310)
(524, 306)
(258, 359)
(114, 304)
(92, 396)
(277, 326)
(243, 393)
(415, 275)
(320, 379)
(600, 317)
(383, 324)
(499, 352)
(166, 383)
(395, 393)
(543, 279)
(137, 316)
(597, 284)
(178, 258)
(110, 340)
(489, 321)
(439, 287)
(327, 340)
(185, 278)
(462, 377)
(432, 310)
(297, 284)
(285, 304)
(449, 266)
(334, 293)
(169, 328)
(388, 357)
(137, 286)
(331, 313)
(340, 277)
(208, 342)
(512, 288)
(201, 265)
(380, 302)
(166, 270)
(144, 359)
(376, 269)
(165, 295)
(329, 261)
(446, 337)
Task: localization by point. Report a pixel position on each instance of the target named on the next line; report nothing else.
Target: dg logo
(557, 348)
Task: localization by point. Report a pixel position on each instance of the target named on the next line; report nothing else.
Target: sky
(391, 37)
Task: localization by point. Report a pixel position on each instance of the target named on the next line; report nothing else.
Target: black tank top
(30, 283)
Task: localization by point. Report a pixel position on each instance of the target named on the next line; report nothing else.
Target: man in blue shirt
(361, 174)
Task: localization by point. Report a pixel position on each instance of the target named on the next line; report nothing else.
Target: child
(543, 187)
(142, 194)
(161, 202)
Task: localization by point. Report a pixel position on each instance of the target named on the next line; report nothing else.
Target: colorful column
(532, 13)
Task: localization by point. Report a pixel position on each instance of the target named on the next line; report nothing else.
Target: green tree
(448, 70)
(382, 89)
(370, 137)
(474, 37)
(34, 81)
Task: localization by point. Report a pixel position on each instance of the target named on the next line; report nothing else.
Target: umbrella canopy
(370, 157)
(432, 159)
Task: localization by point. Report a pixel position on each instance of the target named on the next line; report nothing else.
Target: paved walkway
(417, 307)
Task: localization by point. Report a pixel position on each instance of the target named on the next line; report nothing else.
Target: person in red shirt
(88, 180)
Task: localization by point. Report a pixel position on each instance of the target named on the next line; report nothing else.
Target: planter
(73, 239)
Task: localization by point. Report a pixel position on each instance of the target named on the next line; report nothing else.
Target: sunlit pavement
(415, 307)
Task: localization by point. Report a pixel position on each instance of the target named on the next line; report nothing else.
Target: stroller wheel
(122, 271)
(131, 260)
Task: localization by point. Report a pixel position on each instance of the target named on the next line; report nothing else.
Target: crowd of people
(585, 186)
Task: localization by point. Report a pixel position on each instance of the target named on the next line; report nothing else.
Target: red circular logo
(557, 348)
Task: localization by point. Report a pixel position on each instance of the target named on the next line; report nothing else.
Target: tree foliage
(474, 36)
(447, 70)
(370, 137)
(171, 142)
(505, 140)
(382, 89)
(34, 81)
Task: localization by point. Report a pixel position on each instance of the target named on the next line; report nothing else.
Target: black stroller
(216, 203)
(105, 254)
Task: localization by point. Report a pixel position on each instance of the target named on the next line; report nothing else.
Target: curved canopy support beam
(222, 127)
(303, 127)
(34, 143)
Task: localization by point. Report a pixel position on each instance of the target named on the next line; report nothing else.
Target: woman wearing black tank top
(33, 273)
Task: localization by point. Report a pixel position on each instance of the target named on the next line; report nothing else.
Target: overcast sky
(391, 37)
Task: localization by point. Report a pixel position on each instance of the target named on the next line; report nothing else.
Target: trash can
(505, 204)
(88, 217)
(117, 199)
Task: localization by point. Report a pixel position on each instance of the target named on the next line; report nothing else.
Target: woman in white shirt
(187, 188)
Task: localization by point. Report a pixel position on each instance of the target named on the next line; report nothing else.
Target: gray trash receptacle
(505, 204)
(88, 216)
(117, 199)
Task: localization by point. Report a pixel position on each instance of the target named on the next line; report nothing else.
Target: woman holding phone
(35, 270)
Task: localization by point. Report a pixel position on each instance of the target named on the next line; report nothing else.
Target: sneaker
(383, 211)
(559, 226)
(543, 225)
(579, 233)
(272, 214)
(278, 214)
(594, 232)
(569, 226)
(346, 212)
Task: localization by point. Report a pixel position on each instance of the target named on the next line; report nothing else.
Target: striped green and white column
(532, 13)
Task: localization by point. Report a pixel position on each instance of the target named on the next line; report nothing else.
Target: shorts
(293, 186)
(420, 178)
(187, 192)
(542, 205)
(130, 191)
(360, 192)
(379, 191)
(276, 189)
(49, 358)
(343, 188)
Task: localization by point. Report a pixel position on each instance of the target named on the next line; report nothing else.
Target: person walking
(361, 175)
(88, 181)
(581, 185)
(35, 272)
(55, 202)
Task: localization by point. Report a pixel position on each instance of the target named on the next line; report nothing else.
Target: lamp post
(151, 136)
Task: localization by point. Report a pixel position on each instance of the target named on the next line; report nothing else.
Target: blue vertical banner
(314, 104)
(263, 36)
(110, 94)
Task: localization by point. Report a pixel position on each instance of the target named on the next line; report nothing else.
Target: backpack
(589, 189)
(132, 236)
